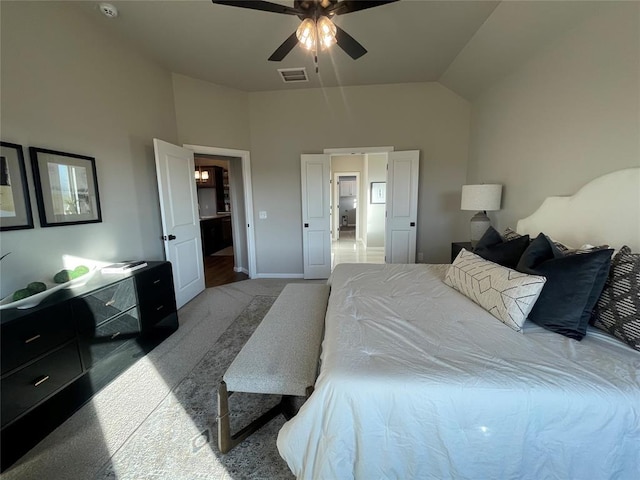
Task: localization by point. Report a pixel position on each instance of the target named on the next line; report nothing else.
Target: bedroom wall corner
(569, 114)
(210, 115)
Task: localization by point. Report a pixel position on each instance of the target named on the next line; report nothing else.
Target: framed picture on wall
(66, 188)
(15, 204)
(378, 192)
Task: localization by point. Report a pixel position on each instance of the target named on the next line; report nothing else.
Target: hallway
(348, 250)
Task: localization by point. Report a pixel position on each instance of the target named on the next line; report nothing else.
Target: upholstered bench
(280, 358)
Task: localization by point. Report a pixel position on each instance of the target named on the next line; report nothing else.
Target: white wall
(569, 114)
(67, 85)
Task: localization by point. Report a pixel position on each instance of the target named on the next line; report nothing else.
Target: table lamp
(481, 198)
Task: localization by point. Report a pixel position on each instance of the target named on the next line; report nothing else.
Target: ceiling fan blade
(349, 44)
(283, 50)
(259, 5)
(348, 6)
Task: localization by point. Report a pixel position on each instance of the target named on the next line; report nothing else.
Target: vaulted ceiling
(463, 44)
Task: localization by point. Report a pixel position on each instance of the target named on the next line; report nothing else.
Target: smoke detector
(108, 10)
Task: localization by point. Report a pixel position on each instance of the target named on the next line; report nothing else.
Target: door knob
(412, 224)
(170, 237)
(306, 225)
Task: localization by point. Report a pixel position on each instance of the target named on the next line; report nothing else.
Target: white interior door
(180, 218)
(402, 206)
(316, 220)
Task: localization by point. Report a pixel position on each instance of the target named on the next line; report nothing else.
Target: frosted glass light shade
(326, 32)
(481, 197)
(306, 34)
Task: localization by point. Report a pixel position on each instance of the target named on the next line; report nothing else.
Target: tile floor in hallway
(351, 251)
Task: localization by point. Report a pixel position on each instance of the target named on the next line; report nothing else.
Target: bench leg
(226, 441)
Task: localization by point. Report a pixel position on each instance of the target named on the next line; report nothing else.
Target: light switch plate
(262, 215)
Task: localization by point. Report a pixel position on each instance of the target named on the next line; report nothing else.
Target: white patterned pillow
(506, 294)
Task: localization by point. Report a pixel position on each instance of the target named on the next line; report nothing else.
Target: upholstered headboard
(604, 211)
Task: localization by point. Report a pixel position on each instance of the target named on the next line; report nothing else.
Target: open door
(316, 221)
(402, 206)
(180, 218)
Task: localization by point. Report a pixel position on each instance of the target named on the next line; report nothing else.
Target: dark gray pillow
(574, 284)
(618, 309)
(494, 248)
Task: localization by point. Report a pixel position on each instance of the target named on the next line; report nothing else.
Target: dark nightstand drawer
(99, 306)
(34, 335)
(108, 337)
(29, 385)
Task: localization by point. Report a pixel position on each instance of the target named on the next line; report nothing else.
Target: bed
(419, 381)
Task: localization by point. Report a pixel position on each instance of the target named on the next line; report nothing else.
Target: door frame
(245, 157)
(336, 200)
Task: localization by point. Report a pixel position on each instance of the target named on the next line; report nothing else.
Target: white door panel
(316, 209)
(180, 219)
(402, 207)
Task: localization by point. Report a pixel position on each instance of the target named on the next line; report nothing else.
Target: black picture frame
(66, 188)
(378, 192)
(15, 202)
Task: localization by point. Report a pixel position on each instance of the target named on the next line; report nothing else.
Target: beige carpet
(156, 419)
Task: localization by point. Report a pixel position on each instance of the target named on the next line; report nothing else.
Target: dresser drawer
(35, 334)
(107, 338)
(156, 297)
(153, 312)
(154, 283)
(32, 384)
(99, 306)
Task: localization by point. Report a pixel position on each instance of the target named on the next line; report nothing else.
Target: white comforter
(419, 382)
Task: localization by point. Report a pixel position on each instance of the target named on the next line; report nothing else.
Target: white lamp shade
(481, 197)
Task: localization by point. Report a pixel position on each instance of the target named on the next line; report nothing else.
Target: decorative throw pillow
(506, 294)
(574, 284)
(618, 309)
(494, 248)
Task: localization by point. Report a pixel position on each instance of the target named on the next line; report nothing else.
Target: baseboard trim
(240, 270)
(279, 275)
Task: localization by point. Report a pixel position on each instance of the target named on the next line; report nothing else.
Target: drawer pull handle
(41, 380)
(155, 282)
(115, 335)
(159, 308)
(110, 302)
(32, 339)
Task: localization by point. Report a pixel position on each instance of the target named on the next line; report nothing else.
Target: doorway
(226, 212)
(358, 225)
(346, 198)
(213, 184)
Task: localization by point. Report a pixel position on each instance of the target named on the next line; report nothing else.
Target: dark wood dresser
(55, 356)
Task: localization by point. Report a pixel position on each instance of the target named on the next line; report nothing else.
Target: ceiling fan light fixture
(326, 32)
(306, 34)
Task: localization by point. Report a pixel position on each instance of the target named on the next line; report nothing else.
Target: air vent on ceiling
(292, 75)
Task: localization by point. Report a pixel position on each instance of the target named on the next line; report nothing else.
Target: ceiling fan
(316, 30)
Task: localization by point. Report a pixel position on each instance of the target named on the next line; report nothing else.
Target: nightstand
(457, 246)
